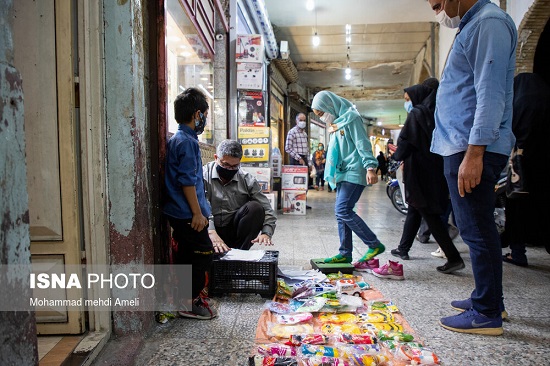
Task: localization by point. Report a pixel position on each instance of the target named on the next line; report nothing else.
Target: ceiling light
(185, 54)
(316, 40)
(348, 76)
(348, 39)
(348, 70)
(379, 123)
(310, 5)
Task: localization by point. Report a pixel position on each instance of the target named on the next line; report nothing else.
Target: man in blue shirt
(186, 206)
(473, 133)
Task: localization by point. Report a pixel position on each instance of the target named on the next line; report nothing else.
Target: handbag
(516, 185)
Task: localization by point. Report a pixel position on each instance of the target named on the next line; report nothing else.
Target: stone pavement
(422, 298)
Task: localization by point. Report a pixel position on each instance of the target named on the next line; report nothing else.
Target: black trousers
(297, 162)
(245, 226)
(437, 227)
(194, 248)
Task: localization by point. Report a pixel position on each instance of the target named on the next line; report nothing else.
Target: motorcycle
(395, 195)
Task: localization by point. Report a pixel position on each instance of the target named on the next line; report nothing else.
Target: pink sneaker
(392, 270)
(367, 266)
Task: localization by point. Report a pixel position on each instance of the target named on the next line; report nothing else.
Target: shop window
(188, 64)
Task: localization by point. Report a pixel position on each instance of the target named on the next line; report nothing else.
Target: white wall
(518, 8)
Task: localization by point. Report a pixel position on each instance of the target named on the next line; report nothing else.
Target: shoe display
(471, 321)
(200, 309)
(400, 254)
(438, 253)
(463, 305)
(338, 258)
(373, 252)
(367, 266)
(392, 270)
(422, 238)
(451, 267)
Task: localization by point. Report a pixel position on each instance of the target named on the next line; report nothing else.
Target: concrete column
(17, 328)
(128, 156)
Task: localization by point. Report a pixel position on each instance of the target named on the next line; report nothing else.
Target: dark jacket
(425, 184)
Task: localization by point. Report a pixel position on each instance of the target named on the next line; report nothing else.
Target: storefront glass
(188, 64)
(316, 135)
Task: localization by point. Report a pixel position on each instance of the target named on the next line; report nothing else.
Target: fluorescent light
(316, 40)
(204, 79)
(203, 89)
(310, 5)
(185, 54)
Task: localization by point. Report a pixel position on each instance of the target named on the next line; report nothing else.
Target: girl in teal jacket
(350, 166)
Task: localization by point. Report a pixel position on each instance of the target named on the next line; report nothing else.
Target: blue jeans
(347, 195)
(475, 220)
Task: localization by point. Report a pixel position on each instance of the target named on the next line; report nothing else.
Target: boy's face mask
(200, 123)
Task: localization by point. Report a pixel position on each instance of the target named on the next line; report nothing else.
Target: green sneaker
(373, 252)
(338, 258)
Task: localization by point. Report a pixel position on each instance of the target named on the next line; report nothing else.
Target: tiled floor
(422, 298)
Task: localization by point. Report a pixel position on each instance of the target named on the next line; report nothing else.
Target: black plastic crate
(245, 277)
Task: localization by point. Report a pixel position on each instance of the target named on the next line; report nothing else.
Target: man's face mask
(301, 124)
(327, 118)
(200, 123)
(321, 147)
(225, 173)
(446, 21)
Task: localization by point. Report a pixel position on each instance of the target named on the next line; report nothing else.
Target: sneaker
(438, 253)
(392, 270)
(367, 266)
(200, 310)
(422, 238)
(338, 258)
(471, 321)
(463, 305)
(373, 252)
(451, 267)
(400, 254)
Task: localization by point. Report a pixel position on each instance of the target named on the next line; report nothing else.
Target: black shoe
(509, 259)
(451, 267)
(402, 255)
(308, 207)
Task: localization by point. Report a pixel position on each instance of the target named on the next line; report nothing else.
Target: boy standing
(186, 207)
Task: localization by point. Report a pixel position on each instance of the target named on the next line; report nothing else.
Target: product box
(294, 177)
(294, 202)
(272, 200)
(249, 48)
(262, 175)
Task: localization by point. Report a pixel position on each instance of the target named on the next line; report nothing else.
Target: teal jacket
(349, 152)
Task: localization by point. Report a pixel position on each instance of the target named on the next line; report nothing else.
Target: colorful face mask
(200, 123)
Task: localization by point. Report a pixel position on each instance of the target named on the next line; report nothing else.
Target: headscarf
(344, 112)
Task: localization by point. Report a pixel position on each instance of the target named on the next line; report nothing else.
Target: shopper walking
(426, 191)
(350, 167)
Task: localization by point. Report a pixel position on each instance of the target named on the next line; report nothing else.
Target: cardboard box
(294, 202)
(262, 175)
(295, 177)
(272, 200)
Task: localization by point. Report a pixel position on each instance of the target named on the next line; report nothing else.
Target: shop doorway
(45, 55)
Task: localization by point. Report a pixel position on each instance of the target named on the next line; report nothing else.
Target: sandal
(508, 259)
